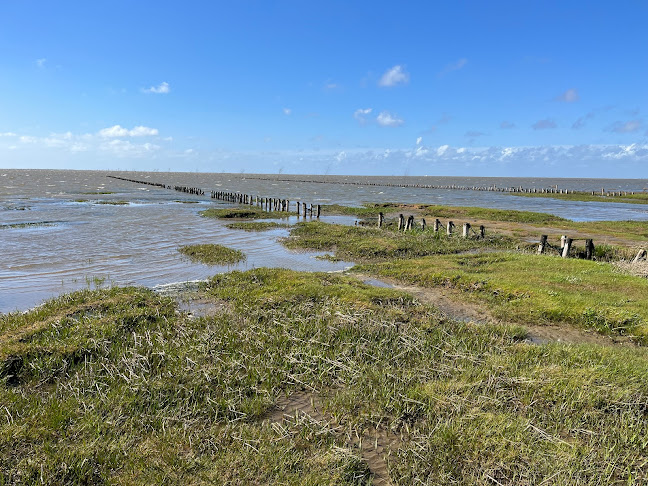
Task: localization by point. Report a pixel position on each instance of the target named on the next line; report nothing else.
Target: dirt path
(454, 305)
(374, 444)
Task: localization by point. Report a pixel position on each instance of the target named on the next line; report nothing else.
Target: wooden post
(319, 210)
(423, 224)
(542, 245)
(640, 256)
(589, 249)
(410, 223)
(567, 247)
(381, 219)
(401, 222)
(449, 228)
(310, 210)
(482, 231)
(466, 230)
(563, 239)
(437, 224)
(298, 208)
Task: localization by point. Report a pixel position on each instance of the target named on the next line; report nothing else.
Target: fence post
(482, 231)
(466, 230)
(319, 210)
(589, 249)
(423, 224)
(567, 247)
(437, 224)
(401, 222)
(542, 245)
(449, 228)
(563, 239)
(381, 218)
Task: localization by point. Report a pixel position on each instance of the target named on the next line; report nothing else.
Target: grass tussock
(212, 254)
(506, 215)
(243, 212)
(256, 225)
(114, 386)
(537, 289)
(371, 243)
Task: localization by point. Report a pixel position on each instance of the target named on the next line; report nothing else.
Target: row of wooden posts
(268, 203)
(493, 188)
(409, 224)
(565, 246)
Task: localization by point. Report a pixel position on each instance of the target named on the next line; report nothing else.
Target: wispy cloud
(287, 111)
(454, 66)
(582, 121)
(394, 76)
(117, 131)
(386, 119)
(630, 126)
(544, 124)
(569, 96)
(474, 134)
(360, 115)
(506, 125)
(40, 63)
(162, 88)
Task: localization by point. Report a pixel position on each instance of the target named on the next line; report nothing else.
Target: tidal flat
(282, 376)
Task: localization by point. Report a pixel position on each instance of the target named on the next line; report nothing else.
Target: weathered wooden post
(563, 239)
(640, 256)
(298, 208)
(542, 245)
(466, 230)
(567, 247)
(482, 231)
(401, 222)
(437, 225)
(381, 219)
(319, 210)
(589, 249)
(423, 224)
(310, 210)
(449, 228)
(410, 223)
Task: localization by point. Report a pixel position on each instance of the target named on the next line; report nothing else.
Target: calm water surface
(77, 242)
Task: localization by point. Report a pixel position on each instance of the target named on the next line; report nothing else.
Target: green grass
(113, 203)
(641, 198)
(34, 224)
(256, 225)
(507, 215)
(371, 243)
(115, 387)
(536, 289)
(212, 254)
(366, 210)
(243, 212)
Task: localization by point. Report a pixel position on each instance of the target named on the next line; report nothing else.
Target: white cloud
(394, 76)
(8, 134)
(360, 114)
(625, 127)
(162, 88)
(386, 119)
(287, 111)
(569, 96)
(41, 62)
(419, 140)
(341, 156)
(544, 124)
(118, 131)
(455, 66)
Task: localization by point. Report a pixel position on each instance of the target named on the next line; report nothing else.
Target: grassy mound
(256, 225)
(371, 243)
(114, 386)
(247, 212)
(212, 254)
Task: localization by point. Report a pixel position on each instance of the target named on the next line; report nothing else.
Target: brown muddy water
(58, 233)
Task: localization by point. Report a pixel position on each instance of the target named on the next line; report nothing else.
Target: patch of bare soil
(455, 306)
(374, 444)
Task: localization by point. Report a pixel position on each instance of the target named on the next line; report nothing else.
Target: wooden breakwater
(455, 187)
(269, 204)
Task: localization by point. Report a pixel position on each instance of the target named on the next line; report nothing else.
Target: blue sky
(397, 88)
